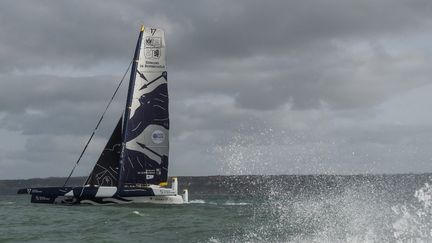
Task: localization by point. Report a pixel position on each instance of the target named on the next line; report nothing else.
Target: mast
(128, 104)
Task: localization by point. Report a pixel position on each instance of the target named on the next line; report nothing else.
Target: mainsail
(106, 170)
(144, 158)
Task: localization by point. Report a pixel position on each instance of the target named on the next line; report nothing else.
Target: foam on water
(227, 203)
(197, 201)
(7, 203)
(236, 203)
(137, 213)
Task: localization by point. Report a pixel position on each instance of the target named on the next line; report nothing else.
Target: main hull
(99, 195)
(177, 199)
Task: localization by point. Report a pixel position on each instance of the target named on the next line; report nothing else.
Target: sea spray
(414, 220)
(314, 208)
(355, 214)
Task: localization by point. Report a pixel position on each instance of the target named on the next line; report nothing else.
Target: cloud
(300, 85)
(43, 104)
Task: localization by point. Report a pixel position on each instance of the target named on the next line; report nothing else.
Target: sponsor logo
(152, 53)
(148, 177)
(158, 136)
(153, 42)
(42, 198)
(148, 41)
(107, 181)
(146, 172)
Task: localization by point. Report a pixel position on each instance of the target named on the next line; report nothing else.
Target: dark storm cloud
(218, 36)
(53, 33)
(312, 71)
(39, 91)
(80, 33)
(44, 104)
(245, 29)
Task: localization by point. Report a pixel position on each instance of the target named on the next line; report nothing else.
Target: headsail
(144, 158)
(106, 170)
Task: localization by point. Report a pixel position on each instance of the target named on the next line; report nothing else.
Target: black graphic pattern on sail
(106, 170)
(143, 170)
(153, 109)
(139, 168)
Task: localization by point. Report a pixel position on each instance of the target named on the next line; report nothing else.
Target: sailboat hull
(104, 195)
(177, 199)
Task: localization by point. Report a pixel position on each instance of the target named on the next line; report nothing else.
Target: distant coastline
(249, 184)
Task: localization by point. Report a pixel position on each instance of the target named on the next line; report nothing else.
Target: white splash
(235, 204)
(249, 154)
(414, 222)
(197, 201)
(353, 214)
(138, 213)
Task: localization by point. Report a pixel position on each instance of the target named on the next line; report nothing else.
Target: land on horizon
(233, 184)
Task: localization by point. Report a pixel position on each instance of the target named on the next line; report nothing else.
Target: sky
(256, 87)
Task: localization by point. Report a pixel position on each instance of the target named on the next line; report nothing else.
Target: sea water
(370, 210)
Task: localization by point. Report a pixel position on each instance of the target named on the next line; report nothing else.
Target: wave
(235, 203)
(138, 213)
(197, 201)
(228, 203)
(7, 203)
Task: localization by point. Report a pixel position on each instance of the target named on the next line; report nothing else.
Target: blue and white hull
(98, 195)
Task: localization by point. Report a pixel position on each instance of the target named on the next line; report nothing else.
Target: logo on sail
(153, 47)
(107, 181)
(158, 136)
(153, 42)
(152, 53)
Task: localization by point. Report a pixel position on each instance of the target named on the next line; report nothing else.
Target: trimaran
(133, 167)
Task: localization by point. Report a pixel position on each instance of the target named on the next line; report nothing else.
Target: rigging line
(97, 125)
